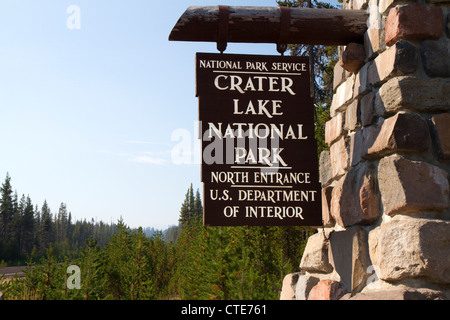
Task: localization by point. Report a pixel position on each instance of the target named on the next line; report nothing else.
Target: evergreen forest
(188, 261)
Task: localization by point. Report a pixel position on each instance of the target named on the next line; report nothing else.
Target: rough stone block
(327, 219)
(355, 198)
(367, 109)
(339, 157)
(352, 116)
(411, 247)
(402, 132)
(333, 129)
(410, 186)
(327, 290)
(361, 85)
(347, 4)
(338, 76)
(436, 57)
(400, 59)
(360, 142)
(442, 128)
(385, 5)
(373, 42)
(413, 22)
(349, 255)
(375, 20)
(325, 172)
(438, 2)
(360, 4)
(344, 93)
(355, 147)
(411, 93)
(353, 57)
(315, 256)
(447, 27)
(398, 294)
(304, 285)
(369, 200)
(374, 36)
(288, 288)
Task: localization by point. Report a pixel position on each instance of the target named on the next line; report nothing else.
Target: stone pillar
(385, 178)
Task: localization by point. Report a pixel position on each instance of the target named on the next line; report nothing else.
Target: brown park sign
(259, 154)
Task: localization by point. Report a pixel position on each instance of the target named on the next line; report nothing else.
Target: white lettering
(231, 211)
(266, 156)
(260, 130)
(273, 212)
(276, 195)
(254, 83)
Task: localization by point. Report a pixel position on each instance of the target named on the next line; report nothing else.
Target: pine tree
(61, 223)
(7, 209)
(117, 272)
(28, 227)
(184, 211)
(46, 228)
(191, 207)
(17, 235)
(171, 234)
(69, 227)
(198, 207)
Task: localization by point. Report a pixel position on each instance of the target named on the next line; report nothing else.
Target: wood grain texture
(262, 25)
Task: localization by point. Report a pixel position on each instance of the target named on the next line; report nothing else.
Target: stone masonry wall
(385, 178)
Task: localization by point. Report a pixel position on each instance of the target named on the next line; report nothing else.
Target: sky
(96, 105)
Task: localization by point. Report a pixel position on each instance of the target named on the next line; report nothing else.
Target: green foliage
(322, 115)
(202, 263)
(130, 267)
(235, 262)
(323, 60)
(191, 209)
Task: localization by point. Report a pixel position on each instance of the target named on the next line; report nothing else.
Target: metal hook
(224, 15)
(285, 22)
(281, 48)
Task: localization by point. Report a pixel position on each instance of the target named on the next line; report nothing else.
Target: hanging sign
(259, 154)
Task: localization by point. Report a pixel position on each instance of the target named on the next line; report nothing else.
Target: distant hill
(170, 234)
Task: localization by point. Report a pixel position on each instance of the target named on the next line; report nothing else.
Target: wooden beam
(262, 25)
